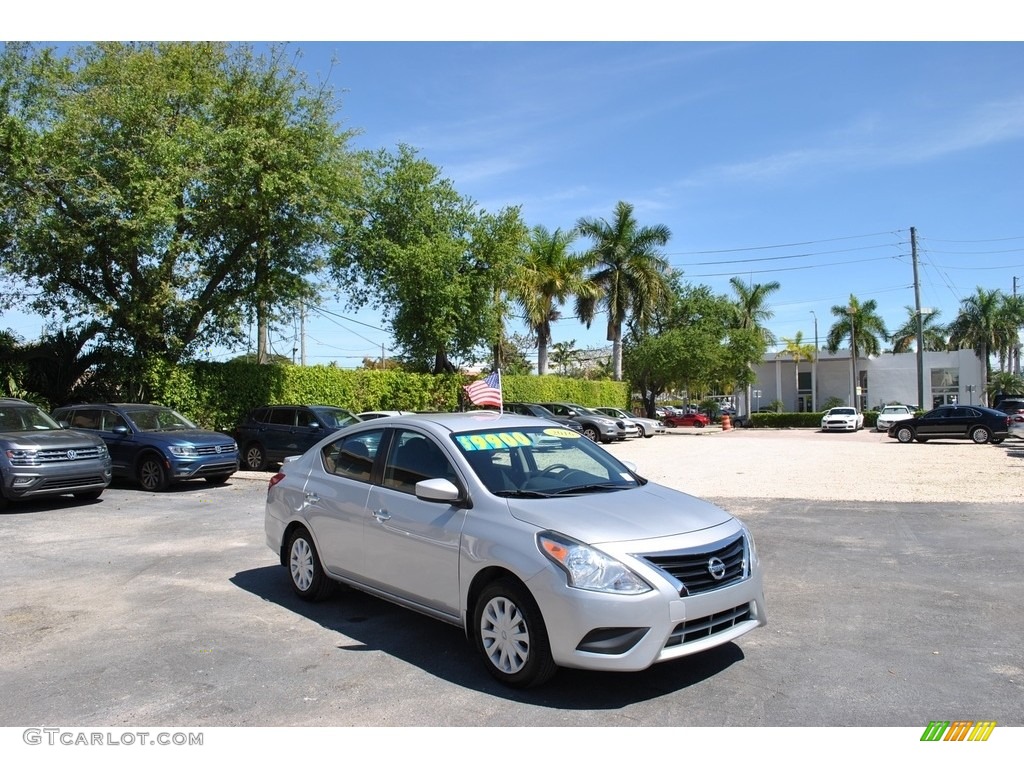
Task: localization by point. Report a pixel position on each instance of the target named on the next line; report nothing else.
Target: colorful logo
(958, 730)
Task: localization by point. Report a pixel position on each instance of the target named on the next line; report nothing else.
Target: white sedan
(890, 414)
(842, 419)
(647, 427)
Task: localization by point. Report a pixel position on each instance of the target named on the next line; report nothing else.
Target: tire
(305, 572)
(510, 635)
(151, 474)
(217, 479)
(641, 432)
(591, 433)
(699, 424)
(88, 495)
(254, 458)
(905, 434)
(980, 435)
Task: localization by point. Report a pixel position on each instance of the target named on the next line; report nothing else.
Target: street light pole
(814, 370)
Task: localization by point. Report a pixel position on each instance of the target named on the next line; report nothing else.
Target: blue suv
(271, 433)
(153, 445)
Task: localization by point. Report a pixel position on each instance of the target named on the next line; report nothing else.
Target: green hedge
(801, 420)
(217, 395)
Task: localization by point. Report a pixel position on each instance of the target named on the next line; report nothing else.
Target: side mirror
(438, 489)
(121, 429)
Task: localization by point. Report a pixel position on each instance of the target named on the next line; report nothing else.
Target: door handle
(382, 515)
(312, 498)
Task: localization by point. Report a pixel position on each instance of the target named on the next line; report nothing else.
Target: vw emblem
(72, 455)
(716, 568)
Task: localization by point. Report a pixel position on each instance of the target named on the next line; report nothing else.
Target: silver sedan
(647, 427)
(547, 550)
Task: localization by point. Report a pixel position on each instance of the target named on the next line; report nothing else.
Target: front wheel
(905, 434)
(307, 574)
(699, 424)
(641, 432)
(980, 435)
(509, 634)
(591, 433)
(152, 475)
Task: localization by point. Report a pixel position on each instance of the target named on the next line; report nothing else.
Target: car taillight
(275, 480)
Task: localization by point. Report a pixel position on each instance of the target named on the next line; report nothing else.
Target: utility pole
(920, 320)
(1016, 346)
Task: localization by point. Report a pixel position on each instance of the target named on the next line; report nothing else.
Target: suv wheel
(590, 433)
(255, 458)
(151, 475)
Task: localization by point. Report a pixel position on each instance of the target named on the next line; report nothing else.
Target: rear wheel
(255, 458)
(905, 434)
(509, 633)
(980, 435)
(151, 475)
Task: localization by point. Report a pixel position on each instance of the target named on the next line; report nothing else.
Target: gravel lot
(835, 466)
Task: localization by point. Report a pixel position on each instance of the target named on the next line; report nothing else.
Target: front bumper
(186, 467)
(36, 482)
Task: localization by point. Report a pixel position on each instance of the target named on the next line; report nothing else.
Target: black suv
(269, 434)
(154, 445)
(39, 458)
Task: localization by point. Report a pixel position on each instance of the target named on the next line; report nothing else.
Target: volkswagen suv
(153, 445)
(38, 458)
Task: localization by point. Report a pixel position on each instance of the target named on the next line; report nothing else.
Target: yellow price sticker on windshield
(558, 432)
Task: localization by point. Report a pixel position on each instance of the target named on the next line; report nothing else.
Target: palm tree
(863, 326)
(933, 334)
(752, 313)
(1011, 318)
(630, 274)
(564, 355)
(798, 350)
(980, 326)
(549, 277)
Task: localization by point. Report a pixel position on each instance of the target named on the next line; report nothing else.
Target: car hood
(194, 436)
(649, 511)
(51, 440)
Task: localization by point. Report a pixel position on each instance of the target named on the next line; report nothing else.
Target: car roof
(461, 421)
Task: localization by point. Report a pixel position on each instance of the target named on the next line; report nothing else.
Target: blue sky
(801, 162)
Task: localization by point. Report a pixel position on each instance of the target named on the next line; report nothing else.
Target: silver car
(646, 427)
(547, 550)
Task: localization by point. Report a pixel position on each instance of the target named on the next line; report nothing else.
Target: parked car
(596, 426)
(954, 422)
(39, 458)
(153, 445)
(269, 434)
(646, 427)
(542, 546)
(1016, 427)
(890, 414)
(1010, 405)
(842, 419)
(538, 410)
(698, 420)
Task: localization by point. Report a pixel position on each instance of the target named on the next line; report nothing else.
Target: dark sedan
(954, 422)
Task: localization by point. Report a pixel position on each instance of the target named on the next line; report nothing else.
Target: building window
(945, 386)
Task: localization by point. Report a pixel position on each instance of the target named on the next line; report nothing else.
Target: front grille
(706, 626)
(213, 450)
(70, 483)
(61, 455)
(697, 570)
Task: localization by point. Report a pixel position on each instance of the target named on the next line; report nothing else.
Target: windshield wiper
(594, 487)
(520, 494)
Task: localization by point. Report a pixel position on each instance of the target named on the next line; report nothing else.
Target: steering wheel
(558, 470)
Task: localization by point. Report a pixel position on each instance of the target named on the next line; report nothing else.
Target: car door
(413, 546)
(308, 430)
(336, 494)
(278, 437)
(934, 423)
(120, 439)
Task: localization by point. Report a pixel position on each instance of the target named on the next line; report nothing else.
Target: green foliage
(168, 190)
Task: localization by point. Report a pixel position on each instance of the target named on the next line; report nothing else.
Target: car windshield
(894, 409)
(336, 417)
(158, 419)
(842, 412)
(25, 419)
(541, 462)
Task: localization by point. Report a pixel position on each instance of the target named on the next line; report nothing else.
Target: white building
(948, 377)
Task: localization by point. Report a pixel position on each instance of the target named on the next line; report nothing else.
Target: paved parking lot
(168, 609)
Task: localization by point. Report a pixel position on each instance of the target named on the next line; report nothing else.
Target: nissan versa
(546, 549)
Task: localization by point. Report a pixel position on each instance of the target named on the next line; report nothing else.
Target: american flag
(486, 391)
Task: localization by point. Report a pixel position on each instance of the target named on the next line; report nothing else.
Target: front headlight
(22, 457)
(586, 568)
(183, 450)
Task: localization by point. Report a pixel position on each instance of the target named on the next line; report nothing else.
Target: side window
(413, 458)
(352, 456)
(304, 418)
(85, 418)
(111, 419)
(282, 417)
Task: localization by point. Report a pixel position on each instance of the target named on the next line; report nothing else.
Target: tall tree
(799, 350)
(432, 263)
(169, 190)
(1011, 319)
(751, 314)
(862, 326)
(933, 333)
(550, 275)
(980, 325)
(629, 273)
